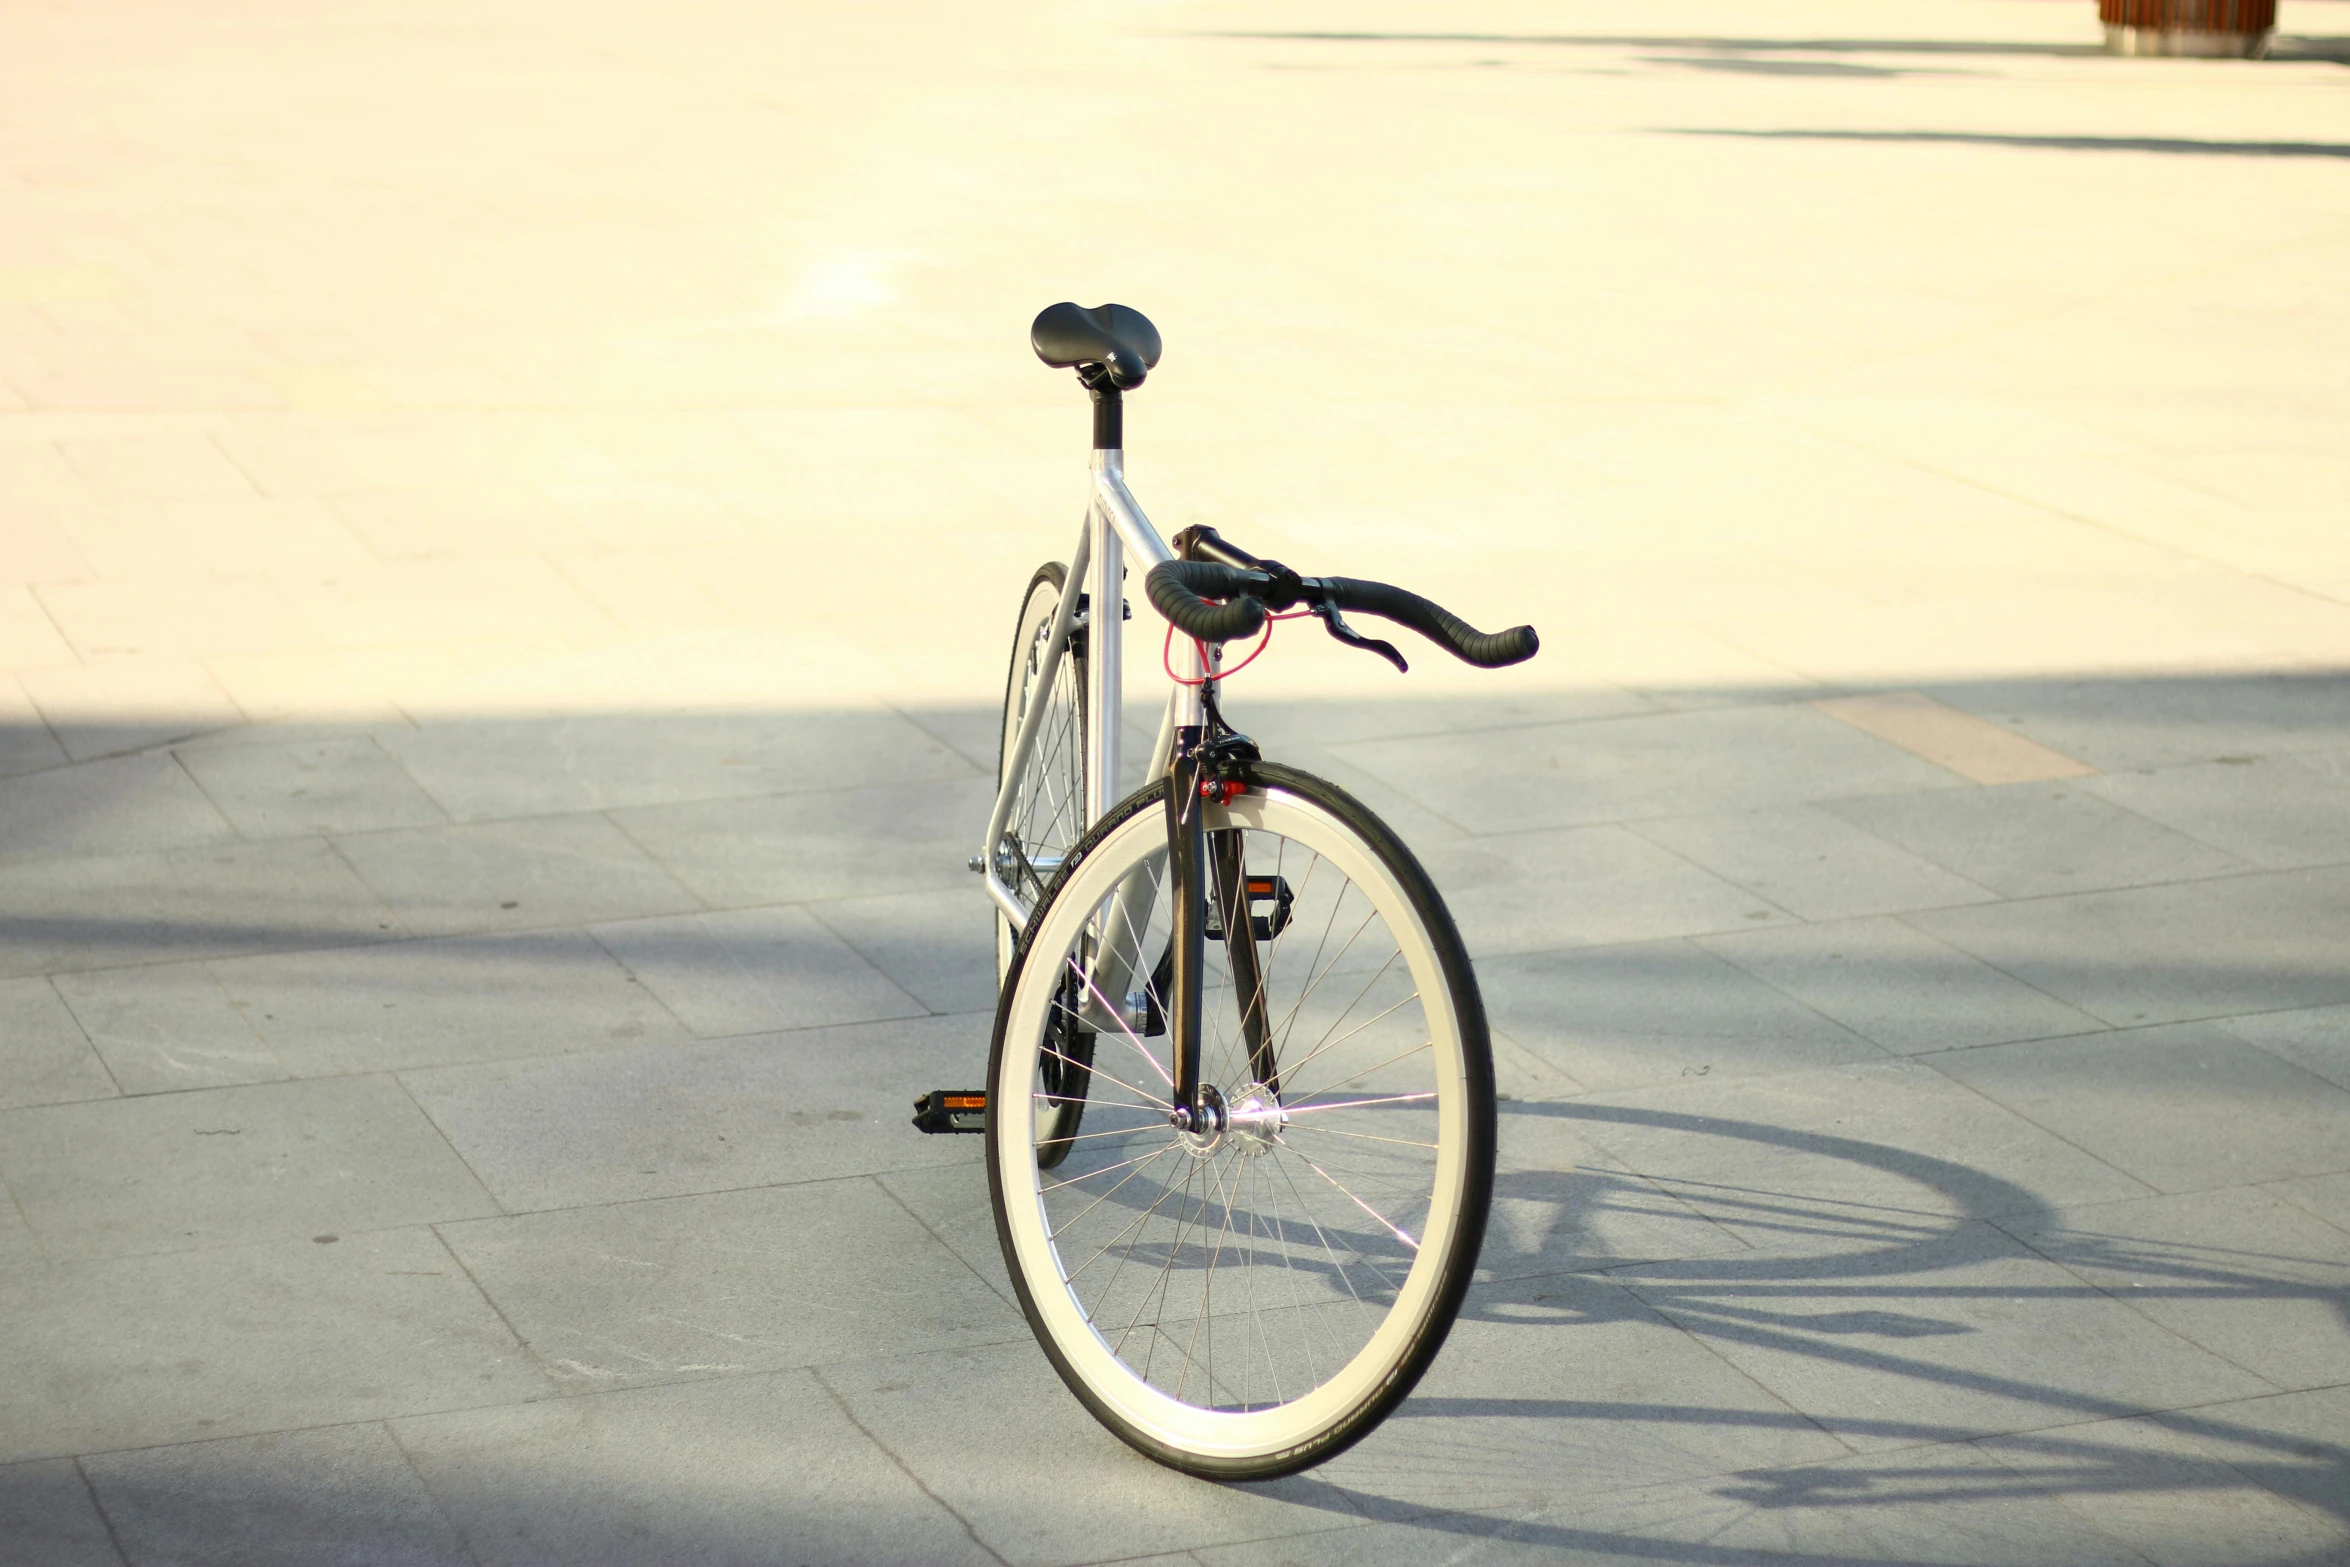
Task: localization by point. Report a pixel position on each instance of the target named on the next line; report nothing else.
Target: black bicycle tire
(1459, 1269)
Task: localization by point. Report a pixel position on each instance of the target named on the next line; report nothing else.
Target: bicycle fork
(1202, 775)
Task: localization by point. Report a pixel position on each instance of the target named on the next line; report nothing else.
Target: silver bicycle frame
(1114, 528)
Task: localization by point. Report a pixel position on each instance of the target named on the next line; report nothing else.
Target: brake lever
(1326, 608)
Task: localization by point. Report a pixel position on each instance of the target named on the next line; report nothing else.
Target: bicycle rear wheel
(1243, 1302)
(1048, 807)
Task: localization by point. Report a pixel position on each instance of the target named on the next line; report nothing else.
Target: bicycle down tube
(1114, 526)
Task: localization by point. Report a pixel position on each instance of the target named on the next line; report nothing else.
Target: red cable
(1167, 650)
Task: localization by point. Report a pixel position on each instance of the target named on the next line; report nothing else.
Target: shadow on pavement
(1760, 1302)
(2163, 144)
(2286, 46)
(1927, 46)
(1833, 1276)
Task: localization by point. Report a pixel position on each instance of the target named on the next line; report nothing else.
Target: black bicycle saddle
(1121, 340)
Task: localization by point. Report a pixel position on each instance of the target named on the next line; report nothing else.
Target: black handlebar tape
(1485, 649)
(1180, 590)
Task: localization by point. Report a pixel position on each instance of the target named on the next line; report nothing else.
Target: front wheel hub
(1254, 1121)
(1202, 1126)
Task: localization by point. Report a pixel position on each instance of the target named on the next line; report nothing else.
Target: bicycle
(1240, 1195)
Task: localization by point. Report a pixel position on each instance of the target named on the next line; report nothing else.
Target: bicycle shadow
(1832, 1297)
(1766, 54)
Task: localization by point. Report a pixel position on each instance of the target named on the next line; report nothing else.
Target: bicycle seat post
(1105, 670)
(1109, 409)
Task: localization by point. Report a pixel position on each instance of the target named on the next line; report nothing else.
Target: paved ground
(511, 511)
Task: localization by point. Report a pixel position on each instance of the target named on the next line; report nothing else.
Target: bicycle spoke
(1099, 1072)
(1355, 1104)
(1332, 1131)
(1124, 1032)
(1383, 1221)
(1341, 1082)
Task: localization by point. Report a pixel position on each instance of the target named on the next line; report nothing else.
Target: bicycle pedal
(950, 1110)
(1261, 889)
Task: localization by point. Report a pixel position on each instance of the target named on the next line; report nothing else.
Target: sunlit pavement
(510, 517)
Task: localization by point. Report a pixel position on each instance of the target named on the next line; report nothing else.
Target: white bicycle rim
(1203, 1428)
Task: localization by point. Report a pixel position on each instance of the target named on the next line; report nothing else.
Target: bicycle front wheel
(1243, 1300)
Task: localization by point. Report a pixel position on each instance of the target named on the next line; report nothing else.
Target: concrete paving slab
(1565, 1385)
(1584, 887)
(419, 524)
(231, 1166)
(1841, 1162)
(2157, 721)
(157, 616)
(1284, 723)
(2173, 953)
(642, 514)
(114, 806)
(1898, 987)
(132, 1351)
(439, 600)
(2315, 1039)
(129, 704)
(1419, 824)
(2242, 1273)
(166, 1027)
(1619, 1017)
(310, 789)
(1977, 750)
(2181, 1108)
(727, 1282)
(1982, 1336)
(44, 1056)
(47, 1518)
(1518, 1073)
(93, 913)
(1941, 1503)
(1562, 1205)
(937, 947)
(951, 1201)
(26, 744)
(397, 1006)
(340, 1495)
(646, 594)
(804, 847)
(2291, 1443)
(1627, 769)
(2274, 812)
(2036, 840)
(753, 971)
(2193, 1490)
(944, 1416)
(500, 766)
(665, 1119)
(2327, 1196)
(1811, 863)
(723, 1472)
(18, 1247)
(27, 635)
(556, 870)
